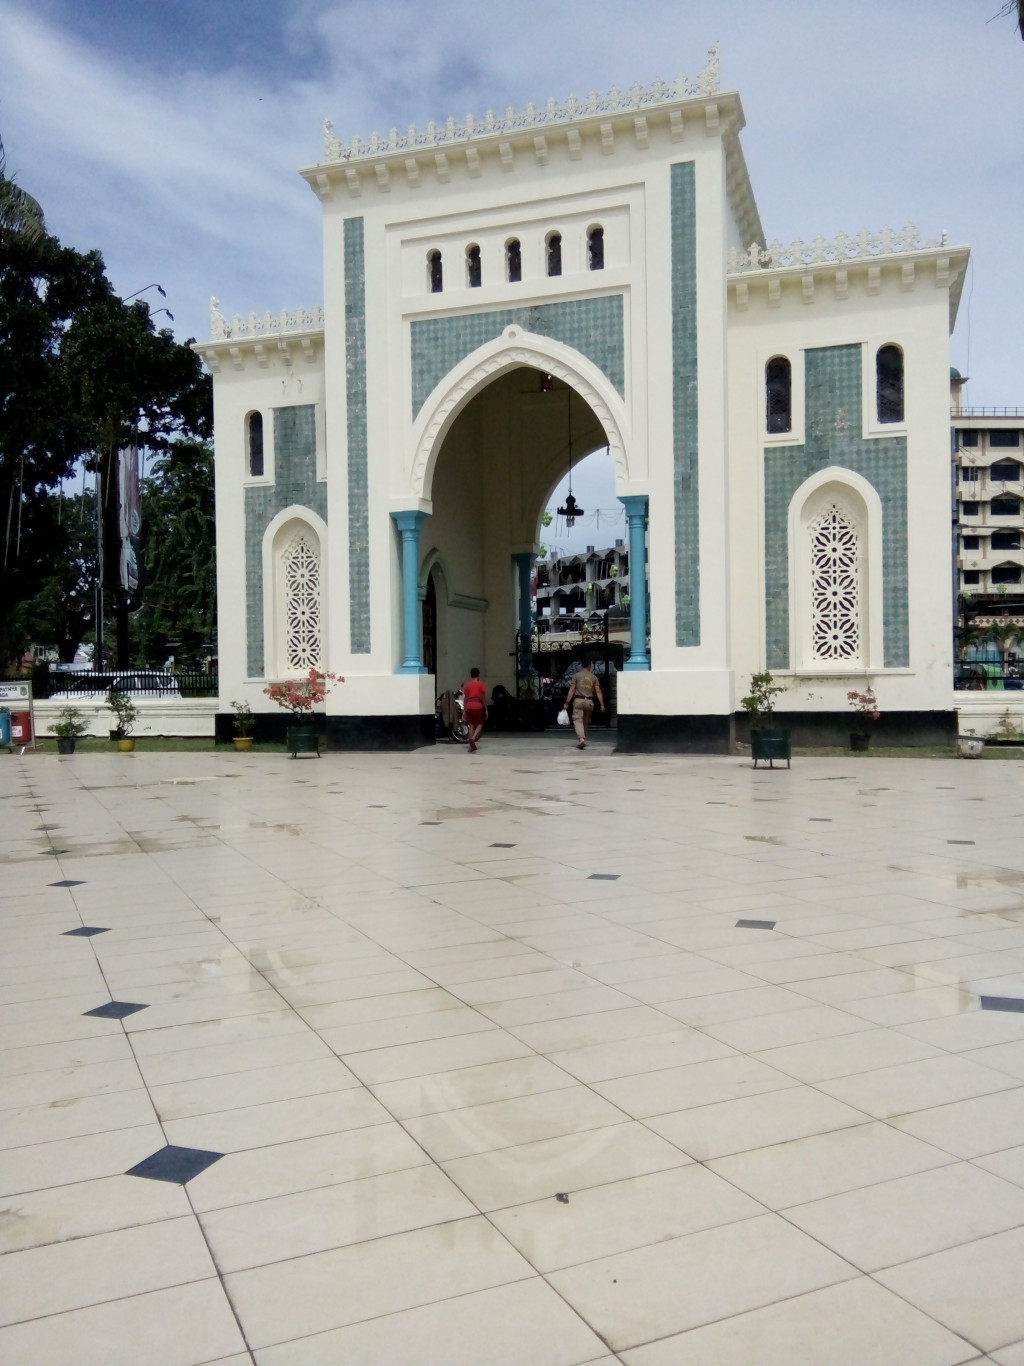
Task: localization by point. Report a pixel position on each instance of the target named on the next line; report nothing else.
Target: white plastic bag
(563, 717)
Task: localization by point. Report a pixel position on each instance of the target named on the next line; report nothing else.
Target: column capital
(410, 520)
(636, 504)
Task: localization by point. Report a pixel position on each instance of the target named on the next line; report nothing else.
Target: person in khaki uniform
(584, 692)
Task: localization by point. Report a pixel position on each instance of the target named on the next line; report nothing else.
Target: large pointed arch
(514, 348)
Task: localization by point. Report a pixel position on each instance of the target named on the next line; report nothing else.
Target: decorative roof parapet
(637, 97)
(264, 324)
(822, 250)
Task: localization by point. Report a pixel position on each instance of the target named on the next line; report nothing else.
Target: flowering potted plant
(127, 714)
(766, 741)
(243, 722)
(299, 696)
(68, 726)
(865, 705)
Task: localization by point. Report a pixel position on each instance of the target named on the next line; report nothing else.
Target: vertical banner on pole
(129, 523)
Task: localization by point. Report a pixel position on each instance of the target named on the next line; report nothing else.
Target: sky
(168, 133)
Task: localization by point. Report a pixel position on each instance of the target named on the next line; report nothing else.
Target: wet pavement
(525, 1058)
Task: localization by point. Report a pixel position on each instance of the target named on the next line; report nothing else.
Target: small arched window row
(778, 385)
(889, 383)
(514, 260)
(254, 444)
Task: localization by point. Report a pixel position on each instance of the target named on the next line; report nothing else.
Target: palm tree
(20, 214)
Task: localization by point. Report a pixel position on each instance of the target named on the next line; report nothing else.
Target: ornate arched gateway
(614, 245)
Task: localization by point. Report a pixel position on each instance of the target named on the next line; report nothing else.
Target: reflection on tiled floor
(524, 1058)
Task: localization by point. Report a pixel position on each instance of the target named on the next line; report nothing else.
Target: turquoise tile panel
(833, 436)
(594, 327)
(358, 478)
(684, 402)
(295, 484)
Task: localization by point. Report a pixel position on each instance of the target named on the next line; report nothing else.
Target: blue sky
(167, 133)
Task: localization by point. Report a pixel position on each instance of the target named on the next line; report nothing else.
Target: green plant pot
(65, 744)
(770, 743)
(302, 740)
(859, 742)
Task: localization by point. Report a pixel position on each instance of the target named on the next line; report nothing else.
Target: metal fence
(144, 683)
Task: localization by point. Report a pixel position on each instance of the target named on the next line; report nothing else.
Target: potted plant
(127, 714)
(970, 746)
(243, 722)
(68, 726)
(865, 706)
(299, 696)
(766, 741)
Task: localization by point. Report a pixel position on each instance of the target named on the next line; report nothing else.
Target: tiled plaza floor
(472, 1061)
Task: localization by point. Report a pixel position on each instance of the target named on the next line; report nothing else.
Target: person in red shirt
(474, 706)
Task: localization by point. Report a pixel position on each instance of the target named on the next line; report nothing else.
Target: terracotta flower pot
(126, 744)
(243, 743)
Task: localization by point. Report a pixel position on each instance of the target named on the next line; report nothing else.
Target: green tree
(81, 374)
(178, 614)
(21, 216)
(62, 610)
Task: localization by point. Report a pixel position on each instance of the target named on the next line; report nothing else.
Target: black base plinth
(650, 734)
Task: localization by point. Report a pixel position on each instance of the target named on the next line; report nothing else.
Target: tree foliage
(81, 374)
(179, 612)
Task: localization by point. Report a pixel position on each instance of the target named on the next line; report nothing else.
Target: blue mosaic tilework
(593, 327)
(358, 478)
(834, 437)
(295, 483)
(684, 402)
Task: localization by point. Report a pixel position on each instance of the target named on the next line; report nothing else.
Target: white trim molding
(512, 349)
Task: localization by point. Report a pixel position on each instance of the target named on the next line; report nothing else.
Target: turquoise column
(636, 515)
(524, 565)
(409, 524)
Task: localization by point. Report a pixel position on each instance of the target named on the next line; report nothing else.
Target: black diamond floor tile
(55, 853)
(826, 819)
(174, 1164)
(66, 882)
(430, 822)
(604, 877)
(959, 841)
(503, 846)
(86, 930)
(755, 924)
(1014, 1003)
(115, 1010)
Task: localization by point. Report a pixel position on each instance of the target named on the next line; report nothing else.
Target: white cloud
(857, 115)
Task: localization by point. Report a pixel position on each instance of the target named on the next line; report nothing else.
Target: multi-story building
(568, 586)
(988, 451)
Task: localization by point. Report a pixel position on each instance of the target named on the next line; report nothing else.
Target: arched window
(554, 245)
(254, 441)
(1006, 573)
(595, 249)
(778, 385)
(835, 585)
(434, 278)
(299, 591)
(473, 266)
(1004, 507)
(889, 383)
(513, 261)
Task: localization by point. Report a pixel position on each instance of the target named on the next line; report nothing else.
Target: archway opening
(501, 462)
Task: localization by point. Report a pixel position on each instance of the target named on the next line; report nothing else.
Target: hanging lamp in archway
(570, 511)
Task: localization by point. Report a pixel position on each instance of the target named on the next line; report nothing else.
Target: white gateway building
(506, 294)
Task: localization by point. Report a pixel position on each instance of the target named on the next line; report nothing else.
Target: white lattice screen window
(835, 586)
(300, 574)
